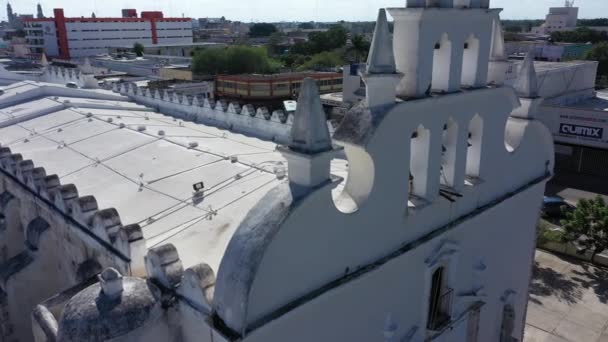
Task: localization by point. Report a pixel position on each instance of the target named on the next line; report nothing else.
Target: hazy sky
(285, 10)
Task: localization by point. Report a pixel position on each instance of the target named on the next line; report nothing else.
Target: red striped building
(67, 38)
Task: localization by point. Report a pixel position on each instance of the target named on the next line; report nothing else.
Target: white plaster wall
(194, 325)
(62, 249)
(557, 83)
(416, 34)
(12, 239)
(502, 238)
(234, 120)
(511, 152)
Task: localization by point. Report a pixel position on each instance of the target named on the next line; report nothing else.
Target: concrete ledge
(568, 249)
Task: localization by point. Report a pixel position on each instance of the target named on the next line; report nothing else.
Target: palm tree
(360, 47)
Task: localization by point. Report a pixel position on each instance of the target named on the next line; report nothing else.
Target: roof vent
(141, 128)
(234, 159)
(280, 172)
(193, 144)
(66, 101)
(90, 120)
(59, 130)
(89, 114)
(110, 120)
(161, 133)
(122, 125)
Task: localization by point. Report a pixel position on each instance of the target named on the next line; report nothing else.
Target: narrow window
(440, 301)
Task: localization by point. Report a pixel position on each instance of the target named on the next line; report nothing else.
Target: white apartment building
(558, 19)
(80, 37)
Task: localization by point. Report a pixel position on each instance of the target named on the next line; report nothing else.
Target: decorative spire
(44, 61)
(497, 51)
(527, 82)
(310, 151)
(86, 67)
(40, 14)
(381, 59)
(309, 133)
(381, 77)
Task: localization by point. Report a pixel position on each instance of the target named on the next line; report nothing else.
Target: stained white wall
(325, 244)
(357, 311)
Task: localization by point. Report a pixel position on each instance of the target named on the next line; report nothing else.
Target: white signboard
(577, 126)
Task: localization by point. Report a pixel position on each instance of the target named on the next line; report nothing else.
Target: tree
(334, 38)
(599, 53)
(306, 26)
(138, 48)
(514, 29)
(360, 48)
(303, 48)
(580, 35)
(262, 30)
(587, 226)
(593, 22)
(276, 43)
(233, 60)
(323, 61)
(292, 60)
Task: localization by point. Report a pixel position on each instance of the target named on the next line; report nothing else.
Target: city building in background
(558, 19)
(543, 50)
(15, 20)
(67, 38)
(272, 89)
(172, 49)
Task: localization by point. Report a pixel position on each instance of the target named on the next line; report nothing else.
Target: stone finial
(86, 67)
(527, 82)
(309, 133)
(381, 77)
(44, 61)
(111, 283)
(381, 59)
(497, 51)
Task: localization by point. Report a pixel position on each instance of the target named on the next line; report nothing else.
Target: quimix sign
(581, 131)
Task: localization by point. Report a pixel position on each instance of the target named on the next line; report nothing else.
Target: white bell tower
(442, 45)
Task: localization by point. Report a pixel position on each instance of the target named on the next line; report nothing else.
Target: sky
(284, 10)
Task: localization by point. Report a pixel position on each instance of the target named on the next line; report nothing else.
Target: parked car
(555, 207)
